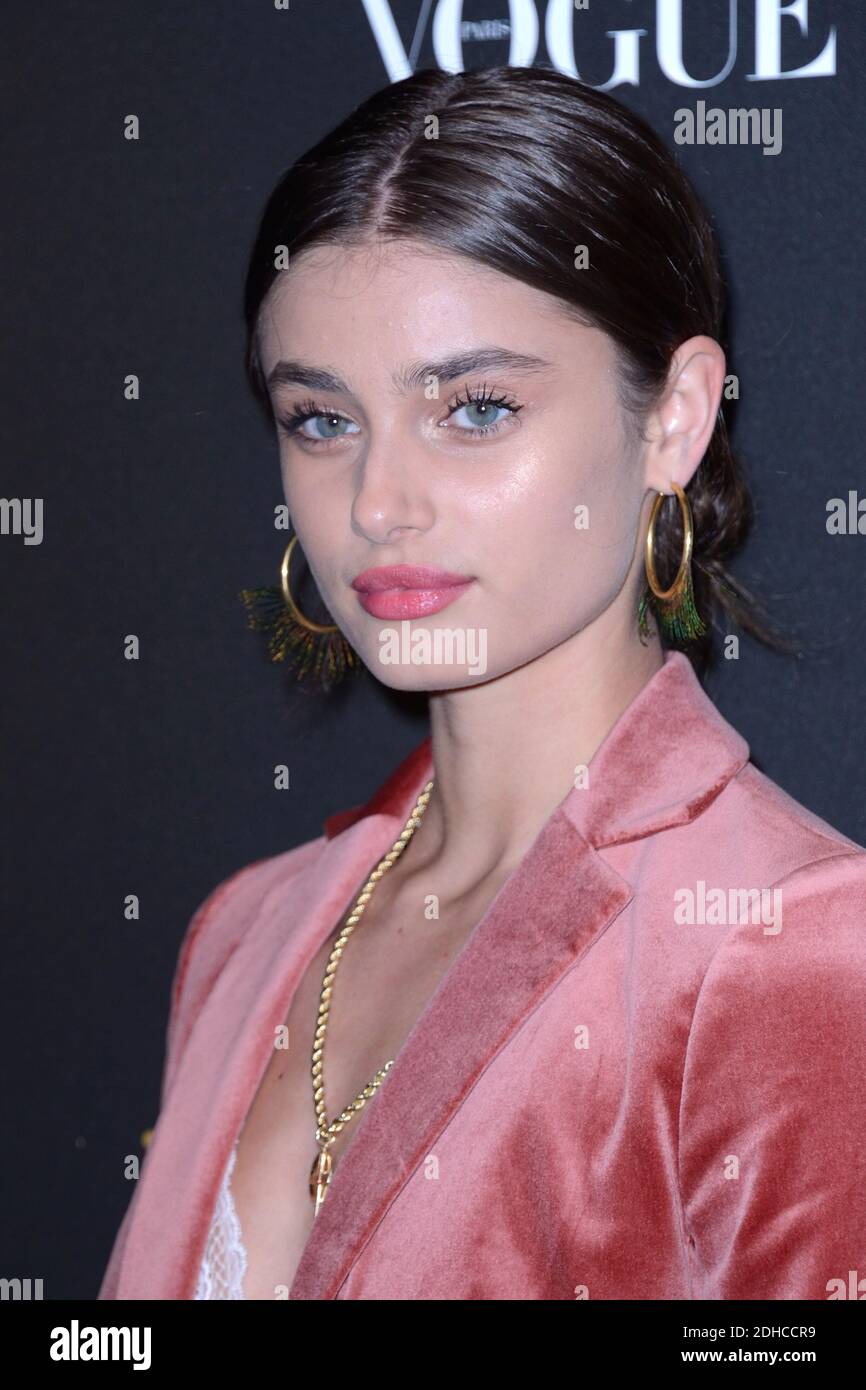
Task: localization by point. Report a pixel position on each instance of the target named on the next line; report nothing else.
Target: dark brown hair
(514, 168)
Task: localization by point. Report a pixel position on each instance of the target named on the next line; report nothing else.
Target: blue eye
(329, 424)
(485, 413)
(332, 427)
(488, 409)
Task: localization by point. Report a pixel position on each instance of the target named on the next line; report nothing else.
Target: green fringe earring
(318, 653)
(674, 607)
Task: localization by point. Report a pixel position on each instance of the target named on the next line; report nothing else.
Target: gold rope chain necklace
(320, 1173)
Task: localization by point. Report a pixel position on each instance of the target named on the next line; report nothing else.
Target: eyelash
(311, 410)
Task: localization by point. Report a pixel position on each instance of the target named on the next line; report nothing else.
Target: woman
(600, 1034)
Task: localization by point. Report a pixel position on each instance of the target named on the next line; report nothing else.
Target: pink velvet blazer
(643, 1077)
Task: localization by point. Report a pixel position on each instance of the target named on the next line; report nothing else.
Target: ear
(680, 427)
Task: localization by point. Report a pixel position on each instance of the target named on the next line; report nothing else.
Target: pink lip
(408, 591)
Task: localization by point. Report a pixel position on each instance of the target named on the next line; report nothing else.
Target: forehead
(388, 302)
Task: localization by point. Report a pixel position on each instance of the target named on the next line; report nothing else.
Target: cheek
(287, 477)
(312, 509)
(555, 507)
(508, 509)
(564, 540)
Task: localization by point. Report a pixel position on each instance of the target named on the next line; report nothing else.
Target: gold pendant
(320, 1176)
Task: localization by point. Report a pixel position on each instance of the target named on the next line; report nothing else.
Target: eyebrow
(291, 372)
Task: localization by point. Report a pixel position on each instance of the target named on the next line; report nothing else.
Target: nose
(392, 498)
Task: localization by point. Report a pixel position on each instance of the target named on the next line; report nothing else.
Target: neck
(505, 752)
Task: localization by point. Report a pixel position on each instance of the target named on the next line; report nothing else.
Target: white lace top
(225, 1258)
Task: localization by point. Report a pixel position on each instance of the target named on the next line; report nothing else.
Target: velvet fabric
(601, 1100)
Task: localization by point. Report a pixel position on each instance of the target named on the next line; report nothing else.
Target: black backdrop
(155, 777)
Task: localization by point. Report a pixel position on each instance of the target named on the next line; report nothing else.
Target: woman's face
(455, 418)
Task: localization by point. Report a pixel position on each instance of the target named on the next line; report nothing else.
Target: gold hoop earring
(289, 600)
(675, 606)
(318, 652)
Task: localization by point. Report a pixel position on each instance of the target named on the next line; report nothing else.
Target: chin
(418, 657)
(427, 679)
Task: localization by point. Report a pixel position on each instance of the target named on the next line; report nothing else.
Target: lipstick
(408, 591)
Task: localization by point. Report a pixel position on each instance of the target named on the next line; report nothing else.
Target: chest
(385, 977)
